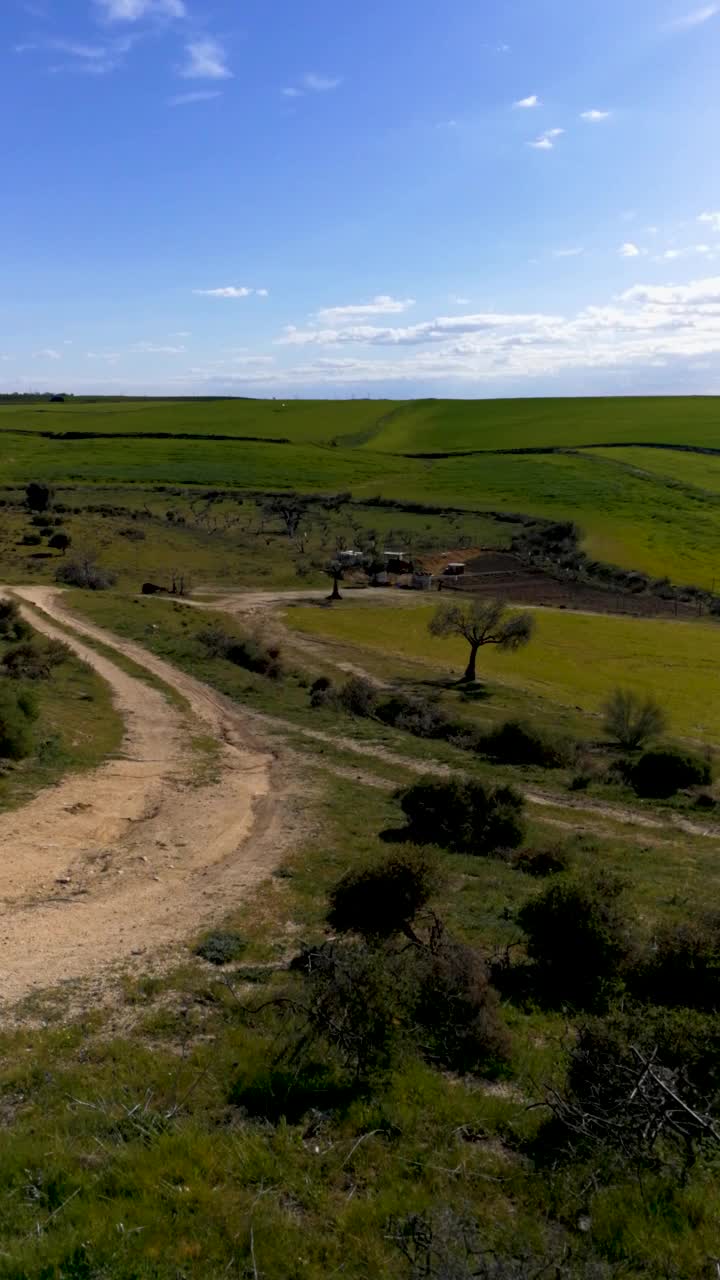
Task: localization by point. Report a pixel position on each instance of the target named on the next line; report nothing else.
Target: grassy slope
(77, 728)
(574, 660)
(642, 521)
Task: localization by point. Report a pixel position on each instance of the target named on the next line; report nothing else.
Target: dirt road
(144, 850)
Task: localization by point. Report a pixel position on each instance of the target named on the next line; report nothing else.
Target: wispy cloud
(711, 220)
(526, 104)
(381, 305)
(704, 292)
(231, 291)
(48, 353)
(567, 253)
(291, 92)
(199, 95)
(206, 60)
(320, 84)
(629, 250)
(687, 251)
(696, 17)
(89, 59)
(546, 141)
(594, 116)
(157, 349)
(134, 10)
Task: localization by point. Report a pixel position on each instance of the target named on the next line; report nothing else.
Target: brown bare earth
(145, 850)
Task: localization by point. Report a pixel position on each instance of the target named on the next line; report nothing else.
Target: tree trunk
(335, 591)
(470, 673)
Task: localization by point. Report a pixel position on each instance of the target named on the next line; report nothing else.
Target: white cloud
(629, 250)
(207, 60)
(382, 304)
(567, 253)
(594, 116)
(460, 302)
(48, 353)
(688, 251)
(697, 17)
(291, 92)
(200, 95)
(133, 10)
(526, 104)
(546, 140)
(698, 293)
(711, 220)
(262, 293)
(428, 331)
(156, 349)
(320, 84)
(230, 291)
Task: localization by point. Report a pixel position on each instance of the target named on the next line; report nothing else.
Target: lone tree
(335, 570)
(38, 496)
(482, 622)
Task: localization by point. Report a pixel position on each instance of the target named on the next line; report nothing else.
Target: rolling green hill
(653, 509)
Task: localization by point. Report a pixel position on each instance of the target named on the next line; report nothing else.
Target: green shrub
(17, 713)
(457, 1011)
(321, 692)
(577, 935)
(660, 774)
(248, 652)
(545, 861)
(35, 660)
(12, 625)
(414, 715)
(358, 697)
(60, 541)
(31, 540)
(380, 900)
(85, 572)
(682, 965)
(221, 947)
(632, 720)
(517, 742)
(463, 815)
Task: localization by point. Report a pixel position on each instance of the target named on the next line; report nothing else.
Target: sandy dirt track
(142, 851)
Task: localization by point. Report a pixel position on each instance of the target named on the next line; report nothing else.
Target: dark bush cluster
(377, 901)
(578, 937)
(548, 860)
(221, 947)
(250, 652)
(85, 572)
(463, 815)
(35, 659)
(662, 773)
(517, 742)
(18, 712)
(12, 625)
(681, 965)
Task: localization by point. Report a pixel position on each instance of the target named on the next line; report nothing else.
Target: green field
(628, 502)
(574, 661)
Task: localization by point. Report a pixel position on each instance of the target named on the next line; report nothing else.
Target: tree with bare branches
(482, 622)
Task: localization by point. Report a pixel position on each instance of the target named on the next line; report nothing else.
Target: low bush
(577, 936)
(517, 742)
(415, 715)
(60, 541)
(457, 1012)
(322, 692)
(35, 660)
(12, 625)
(85, 572)
(18, 712)
(463, 815)
(632, 720)
(31, 540)
(681, 966)
(358, 697)
(132, 533)
(383, 899)
(221, 947)
(249, 652)
(660, 774)
(547, 861)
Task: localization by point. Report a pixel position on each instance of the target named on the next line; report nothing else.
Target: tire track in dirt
(142, 851)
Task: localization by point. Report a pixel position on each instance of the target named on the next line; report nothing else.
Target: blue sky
(394, 197)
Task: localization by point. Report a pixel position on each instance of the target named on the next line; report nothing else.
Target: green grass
(638, 518)
(77, 729)
(574, 661)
